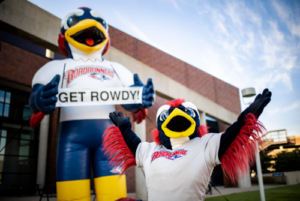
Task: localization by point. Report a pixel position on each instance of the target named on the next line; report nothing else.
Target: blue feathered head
(176, 119)
(83, 31)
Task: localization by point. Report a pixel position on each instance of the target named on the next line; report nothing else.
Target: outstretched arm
(238, 144)
(256, 108)
(131, 139)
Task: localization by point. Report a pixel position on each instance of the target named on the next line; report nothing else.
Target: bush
(287, 161)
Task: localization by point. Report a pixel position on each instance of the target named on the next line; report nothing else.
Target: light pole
(247, 93)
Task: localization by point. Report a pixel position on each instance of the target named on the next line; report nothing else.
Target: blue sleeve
(231, 132)
(131, 139)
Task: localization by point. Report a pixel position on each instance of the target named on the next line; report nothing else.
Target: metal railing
(278, 136)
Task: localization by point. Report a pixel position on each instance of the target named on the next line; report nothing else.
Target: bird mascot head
(177, 122)
(83, 32)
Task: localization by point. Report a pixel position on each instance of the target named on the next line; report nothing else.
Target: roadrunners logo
(168, 155)
(99, 73)
(99, 76)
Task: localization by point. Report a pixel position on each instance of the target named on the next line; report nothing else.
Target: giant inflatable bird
(180, 161)
(84, 39)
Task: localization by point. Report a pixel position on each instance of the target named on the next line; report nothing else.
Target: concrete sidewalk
(224, 191)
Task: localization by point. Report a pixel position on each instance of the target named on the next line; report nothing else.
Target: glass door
(18, 142)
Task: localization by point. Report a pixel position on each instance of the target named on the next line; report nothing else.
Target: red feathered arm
(243, 149)
(36, 119)
(116, 149)
(139, 116)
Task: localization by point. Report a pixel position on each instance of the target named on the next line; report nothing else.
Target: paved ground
(223, 190)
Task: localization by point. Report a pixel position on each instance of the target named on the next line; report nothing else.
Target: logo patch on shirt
(168, 155)
(96, 72)
(99, 76)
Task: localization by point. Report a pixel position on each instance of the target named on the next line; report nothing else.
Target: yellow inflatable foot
(78, 190)
(110, 188)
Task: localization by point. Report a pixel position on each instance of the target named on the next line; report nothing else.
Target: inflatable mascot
(180, 161)
(84, 39)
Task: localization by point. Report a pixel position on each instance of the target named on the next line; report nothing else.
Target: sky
(244, 43)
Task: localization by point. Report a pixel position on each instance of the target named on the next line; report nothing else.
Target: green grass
(287, 193)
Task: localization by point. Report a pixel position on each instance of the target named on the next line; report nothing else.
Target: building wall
(19, 65)
(197, 80)
(222, 126)
(52, 148)
(292, 178)
(297, 140)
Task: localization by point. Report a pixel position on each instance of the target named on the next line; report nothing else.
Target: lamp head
(248, 92)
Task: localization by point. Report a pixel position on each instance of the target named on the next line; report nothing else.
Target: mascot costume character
(84, 39)
(180, 161)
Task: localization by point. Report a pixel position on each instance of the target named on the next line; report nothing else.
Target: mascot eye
(102, 22)
(72, 20)
(190, 112)
(164, 115)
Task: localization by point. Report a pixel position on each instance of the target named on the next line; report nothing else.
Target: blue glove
(43, 97)
(148, 91)
(118, 118)
(260, 102)
(148, 95)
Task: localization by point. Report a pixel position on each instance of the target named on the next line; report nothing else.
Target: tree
(287, 161)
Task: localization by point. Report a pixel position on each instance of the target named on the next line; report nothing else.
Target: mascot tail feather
(243, 149)
(202, 130)
(155, 136)
(116, 149)
(36, 119)
(139, 116)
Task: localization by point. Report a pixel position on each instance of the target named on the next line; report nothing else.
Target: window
(4, 103)
(49, 54)
(18, 159)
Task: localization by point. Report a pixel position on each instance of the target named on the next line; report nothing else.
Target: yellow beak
(178, 124)
(85, 24)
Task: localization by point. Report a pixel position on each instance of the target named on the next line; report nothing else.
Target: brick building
(28, 39)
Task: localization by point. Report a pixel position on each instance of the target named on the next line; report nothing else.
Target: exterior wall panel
(212, 88)
(19, 65)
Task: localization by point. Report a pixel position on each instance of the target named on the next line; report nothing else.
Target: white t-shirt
(79, 74)
(181, 174)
